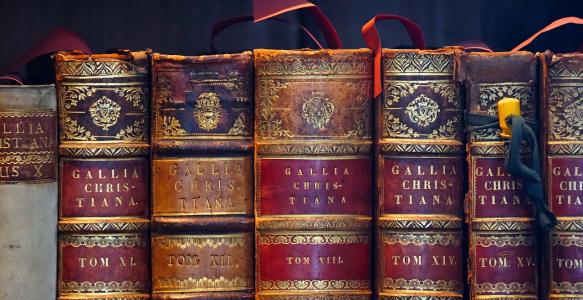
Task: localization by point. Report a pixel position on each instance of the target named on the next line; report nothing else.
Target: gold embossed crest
(207, 111)
(317, 109)
(105, 112)
(422, 110)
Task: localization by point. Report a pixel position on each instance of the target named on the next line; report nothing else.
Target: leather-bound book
(420, 177)
(561, 108)
(202, 177)
(502, 239)
(104, 249)
(313, 174)
(28, 185)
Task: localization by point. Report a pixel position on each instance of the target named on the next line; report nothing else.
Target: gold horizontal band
(556, 81)
(317, 292)
(305, 77)
(91, 77)
(502, 225)
(314, 148)
(203, 137)
(314, 222)
(397, 73)
(409, 221)
(418, 217)
(420, 141)
(104, 296)
(565, 148)
(103, 224)
(202, 290)
(505, 297)
(563, 296)
(516, 219)
(105, 84)
(318, 157)
(419, 293)
(102, 149)
(200, 236)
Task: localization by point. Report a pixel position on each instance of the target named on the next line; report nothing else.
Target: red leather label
(424, 256)
(505, 258)
(422, 185)
(106, 187)
(494, 192)
(315, 186)
(567, 259)
(314, 256)
(110, 258)
(565, 180)
(28, 149)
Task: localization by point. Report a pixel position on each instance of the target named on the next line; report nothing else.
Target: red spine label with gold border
(314, 173)
(202, 177)
(27, 145)
(563, 143)
(420, 171)
(104, 241)
(503, 259)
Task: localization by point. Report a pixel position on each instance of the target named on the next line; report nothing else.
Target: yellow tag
(507, 107)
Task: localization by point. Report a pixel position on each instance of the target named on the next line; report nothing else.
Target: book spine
(420, 178)
(28, 185)
(104, 250)
(563, 143)
(202, 177)
(503, 259)
(314, 174)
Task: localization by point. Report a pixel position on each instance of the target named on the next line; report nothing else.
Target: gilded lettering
(569, 263)
(220, 260)
(93, 262)
(127, 261)
(572, 185)
(524, 262)
(407, 260)
(298, 260)
(568, 199)
(182, 260)
(568, 171)
(443, 260)
(494, 262)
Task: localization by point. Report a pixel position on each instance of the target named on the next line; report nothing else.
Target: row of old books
(274, 174)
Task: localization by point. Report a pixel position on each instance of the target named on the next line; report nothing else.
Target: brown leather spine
(313, 166)
(502, 251)
(202, 177)
(561, 107)
(104, 244)
(420, 177)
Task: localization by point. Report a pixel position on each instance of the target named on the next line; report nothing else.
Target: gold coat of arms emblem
(317, 110)
(104, 112)
(423, 110)
(207, 110)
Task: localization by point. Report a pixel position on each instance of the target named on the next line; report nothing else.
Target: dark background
(183, 26)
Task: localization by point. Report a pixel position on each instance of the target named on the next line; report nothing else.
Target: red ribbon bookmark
(553, 25)
(57, 40)
(373, 41)
(266, 9)
(226, 23)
